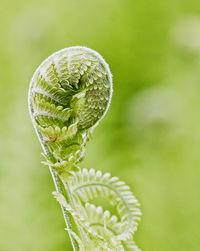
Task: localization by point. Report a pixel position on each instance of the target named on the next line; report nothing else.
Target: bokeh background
(150, 137)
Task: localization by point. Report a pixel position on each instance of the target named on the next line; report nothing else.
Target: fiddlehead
(69, 94)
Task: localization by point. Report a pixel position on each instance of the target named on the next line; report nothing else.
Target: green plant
(69, 94)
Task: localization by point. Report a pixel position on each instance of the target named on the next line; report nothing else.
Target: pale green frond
(88, 185)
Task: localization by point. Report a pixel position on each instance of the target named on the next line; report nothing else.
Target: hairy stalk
(69, 94)
(66, 214)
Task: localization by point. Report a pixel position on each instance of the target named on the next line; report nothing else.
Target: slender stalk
(59, 188)
(66, 214)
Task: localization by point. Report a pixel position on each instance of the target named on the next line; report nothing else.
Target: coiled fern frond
(69, 94)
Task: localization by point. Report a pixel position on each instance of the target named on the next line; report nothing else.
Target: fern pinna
(69, 94)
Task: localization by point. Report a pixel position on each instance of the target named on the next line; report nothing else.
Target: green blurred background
(150, 137)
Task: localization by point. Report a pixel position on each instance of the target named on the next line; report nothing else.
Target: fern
(69, 94)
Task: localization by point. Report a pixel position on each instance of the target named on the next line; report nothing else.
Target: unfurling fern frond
(69, 94)
(88, 185)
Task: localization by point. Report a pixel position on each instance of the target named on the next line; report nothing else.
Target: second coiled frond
(110, 230)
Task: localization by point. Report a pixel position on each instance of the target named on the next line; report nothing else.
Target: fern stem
(66, 214)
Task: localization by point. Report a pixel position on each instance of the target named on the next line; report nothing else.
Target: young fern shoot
(69, 94)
